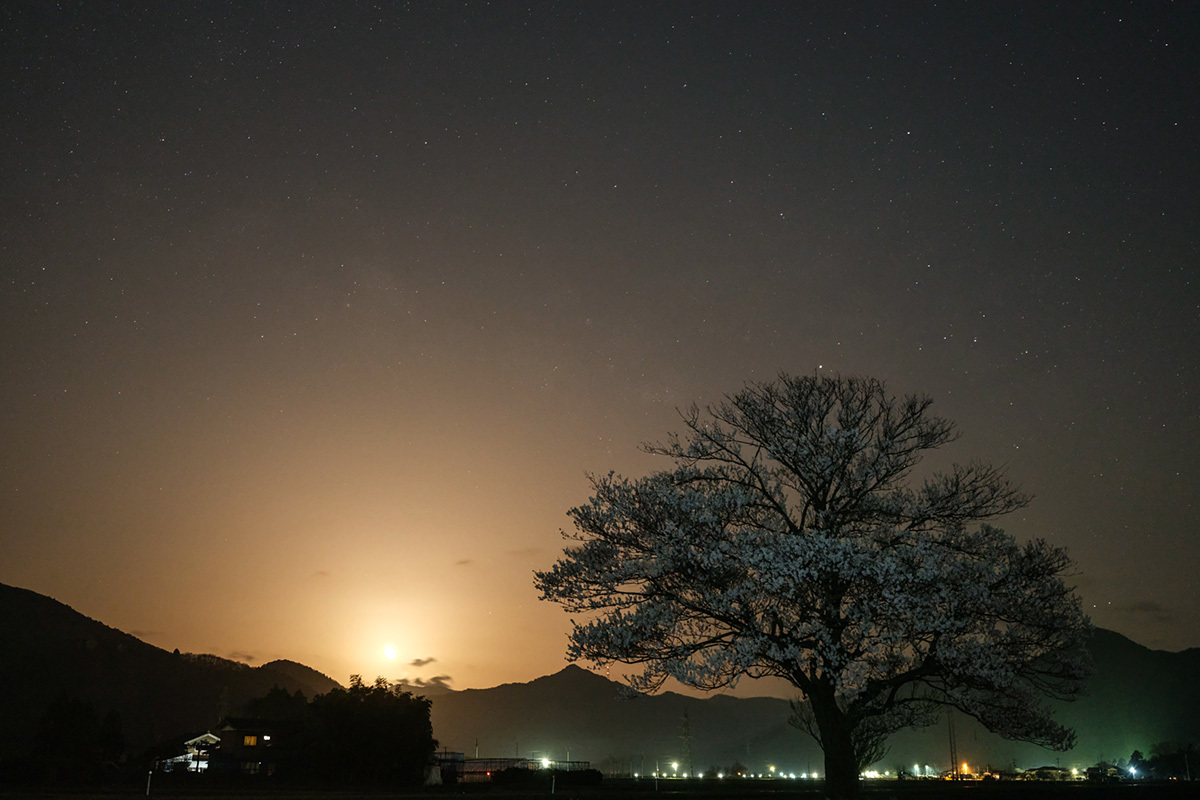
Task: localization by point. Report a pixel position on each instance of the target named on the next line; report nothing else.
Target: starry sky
(314, 317)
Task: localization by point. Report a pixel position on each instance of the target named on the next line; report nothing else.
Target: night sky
(315, 317)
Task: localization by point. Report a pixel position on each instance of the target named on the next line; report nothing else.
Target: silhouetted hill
(597, 719)
(49, 649)
(309, 680)
(1139, 697)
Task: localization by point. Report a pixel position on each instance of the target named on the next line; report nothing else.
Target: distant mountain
(50, 650)
(585, 716)
(310, 681)
(1138, 698)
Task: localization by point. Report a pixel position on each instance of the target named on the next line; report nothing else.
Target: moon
(389, 652)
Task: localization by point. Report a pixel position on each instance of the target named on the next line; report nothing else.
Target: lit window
(249, 740)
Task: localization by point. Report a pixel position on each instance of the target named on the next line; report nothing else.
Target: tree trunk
(841, 762)
(841, 769)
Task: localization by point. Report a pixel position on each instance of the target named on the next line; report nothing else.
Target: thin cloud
(436, 682)
(420, 662)
(1148, 610)
(239, 656)
(525, 552)
(462, 562)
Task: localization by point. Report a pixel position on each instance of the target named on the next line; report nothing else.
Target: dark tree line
(75, 743)
(370, 734)
(72, 744)
(1167, 761)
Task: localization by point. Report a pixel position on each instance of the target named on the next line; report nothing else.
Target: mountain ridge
(1140, 697)
(53, 651)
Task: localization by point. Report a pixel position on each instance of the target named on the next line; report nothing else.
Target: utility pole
(953, 747)
(687, 744)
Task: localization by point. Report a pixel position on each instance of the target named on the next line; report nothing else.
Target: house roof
(204, 738)
(244, 723)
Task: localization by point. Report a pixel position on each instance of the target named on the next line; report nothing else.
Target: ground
(645, 790)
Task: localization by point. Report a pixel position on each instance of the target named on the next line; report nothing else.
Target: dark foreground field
(645, 790)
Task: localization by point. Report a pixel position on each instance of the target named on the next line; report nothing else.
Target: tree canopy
(789, 540)
(375, 734)
(370, 734)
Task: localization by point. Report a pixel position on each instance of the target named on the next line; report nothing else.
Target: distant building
(449, 765)
(252, 746)
(1050, 773)
(196, 754)
(479, 770)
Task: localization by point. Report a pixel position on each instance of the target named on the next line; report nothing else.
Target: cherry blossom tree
(792, 539)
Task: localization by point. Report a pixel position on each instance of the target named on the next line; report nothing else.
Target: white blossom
(787, 541)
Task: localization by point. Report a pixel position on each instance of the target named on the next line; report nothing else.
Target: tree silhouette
(787, 541)
(371, 734)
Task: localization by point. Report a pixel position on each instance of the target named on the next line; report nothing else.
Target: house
(196, 754)
(252, 746)
(1050, 773)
